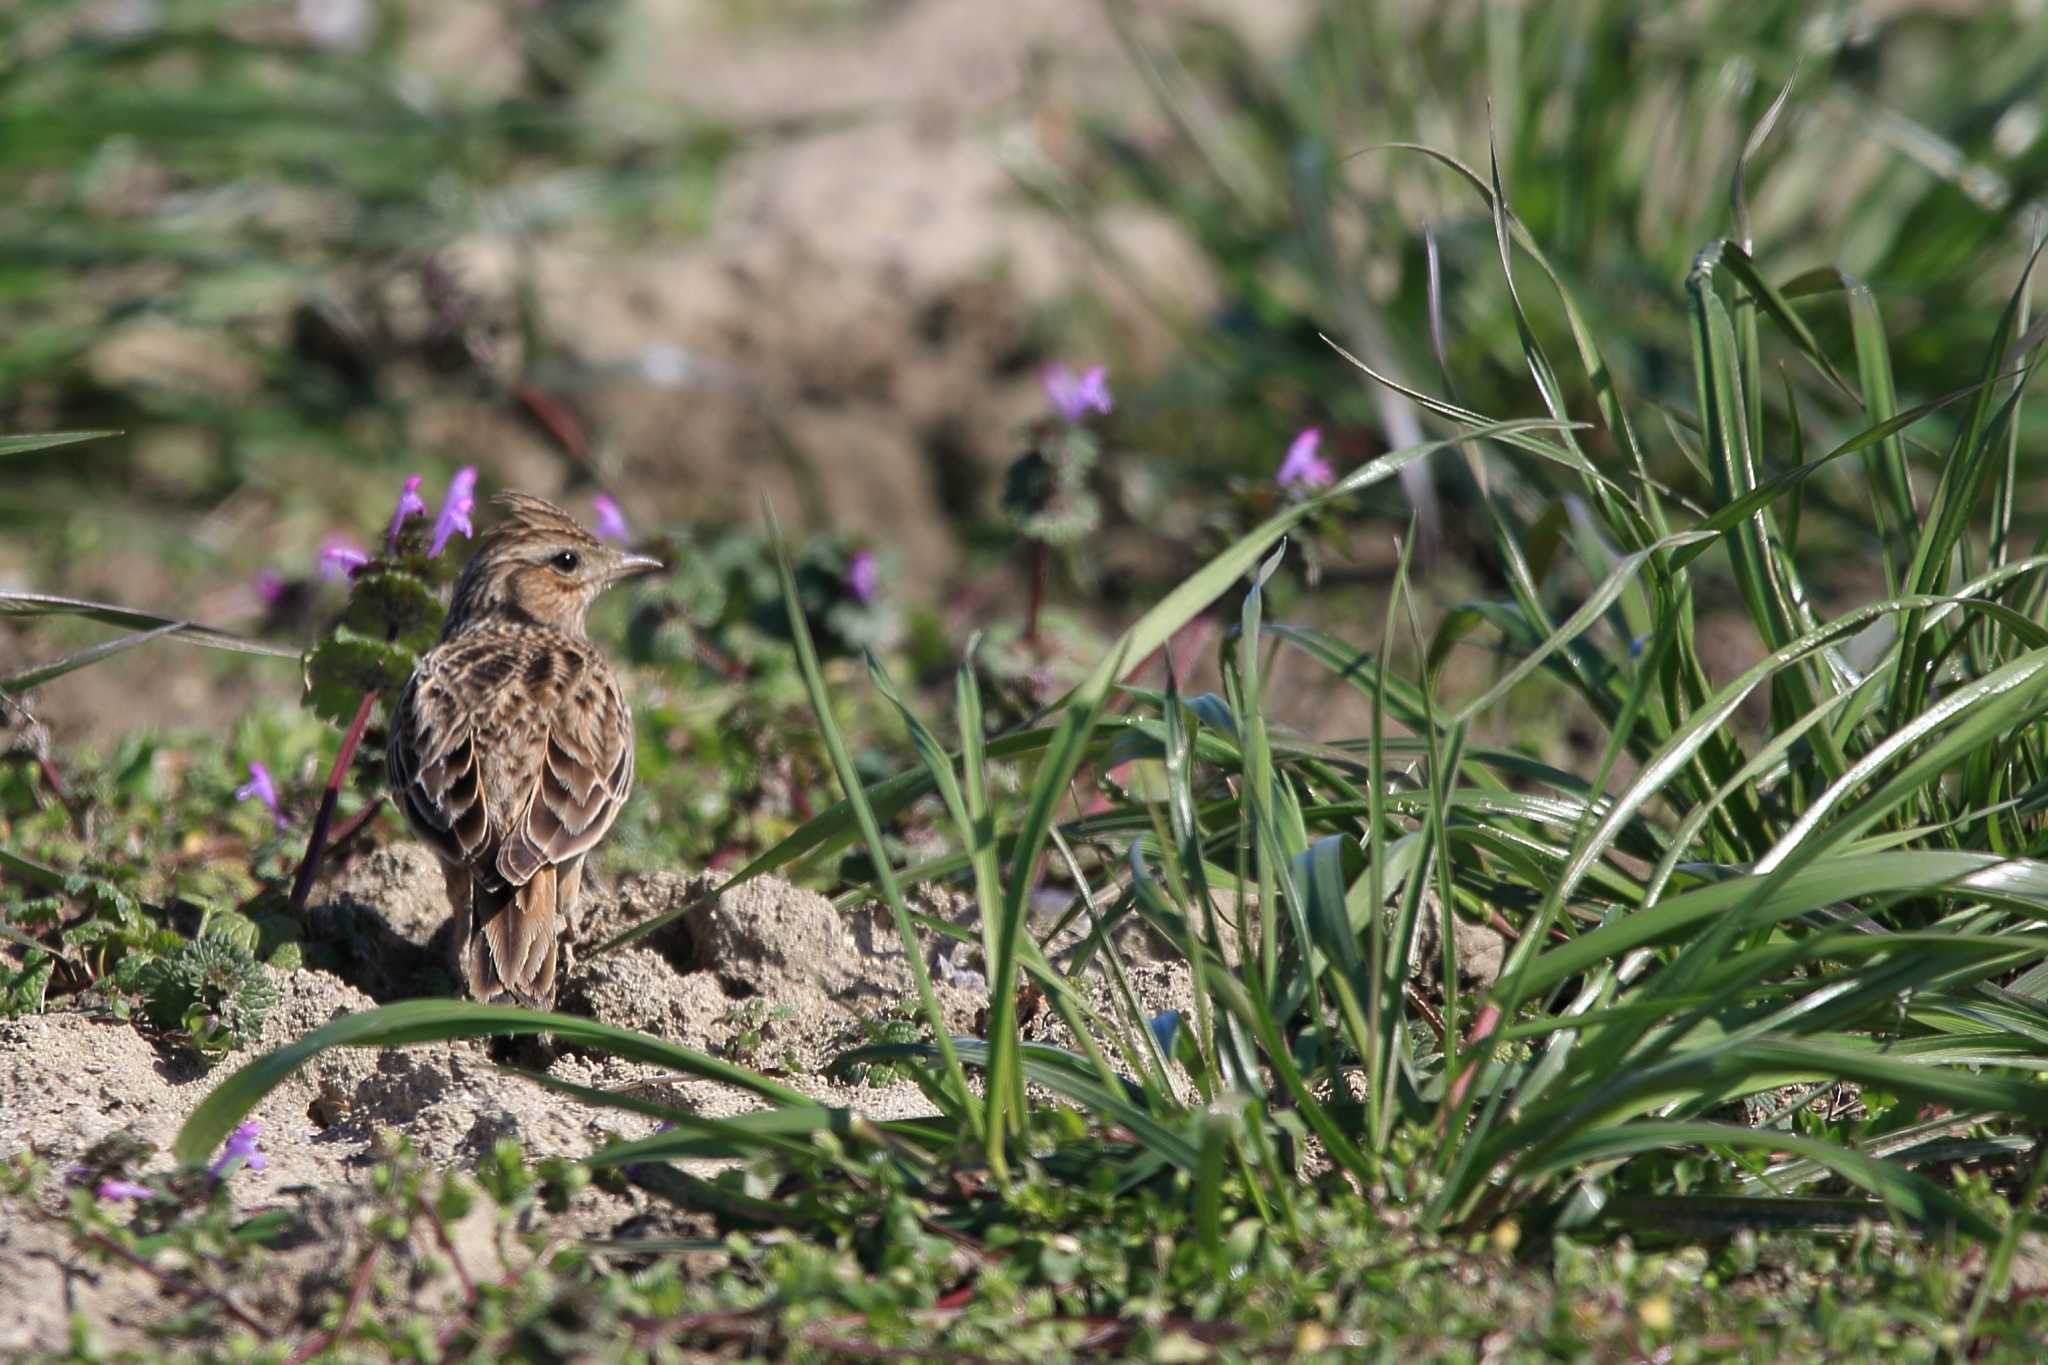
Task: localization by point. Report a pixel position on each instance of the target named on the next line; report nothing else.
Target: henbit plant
(393, 617)
(1047, 498)
(212, 991)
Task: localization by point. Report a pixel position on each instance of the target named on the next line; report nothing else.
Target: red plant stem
(55, 782)
(721, 663)
(348, 1311)
(555, 416)
(1035, 571)
(316, 843)
(1482, 1028)
(51, 777)
(467, 1318)
(1427, 1011)
(433, 1218)
(354, 824)
(178, 1286)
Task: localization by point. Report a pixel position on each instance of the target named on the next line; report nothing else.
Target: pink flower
(269, 587)
(1304, 468)
(339, 559)
(611, 522)
(113, 1191)
(455, 510)
(241, 1150)
(263, 789)
(410, 504)
(1072, 395)
(863, 577)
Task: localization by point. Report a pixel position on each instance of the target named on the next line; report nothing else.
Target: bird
(511, 746)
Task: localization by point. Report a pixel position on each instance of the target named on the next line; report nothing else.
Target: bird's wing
(577, 769)
(432, 760)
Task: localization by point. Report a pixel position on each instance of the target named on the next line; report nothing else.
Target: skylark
(511, 748)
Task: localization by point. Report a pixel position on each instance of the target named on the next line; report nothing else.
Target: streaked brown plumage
(512, 749)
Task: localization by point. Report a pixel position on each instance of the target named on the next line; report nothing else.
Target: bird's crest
(525, 512)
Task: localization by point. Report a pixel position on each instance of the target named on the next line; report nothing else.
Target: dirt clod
(637, 988)
(767, 933)
(387, 922)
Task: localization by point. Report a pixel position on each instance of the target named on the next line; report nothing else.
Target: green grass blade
(92, 654)
(1005, 1097)
(43, 604)
(1910, 1196)
(864, 816)
(432, 1021)
(23, 445)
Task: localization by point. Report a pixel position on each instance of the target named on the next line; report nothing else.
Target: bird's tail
(509, 944)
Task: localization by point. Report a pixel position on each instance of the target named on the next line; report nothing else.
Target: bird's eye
(566, 561)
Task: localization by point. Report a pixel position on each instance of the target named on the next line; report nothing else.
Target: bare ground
(768, 975)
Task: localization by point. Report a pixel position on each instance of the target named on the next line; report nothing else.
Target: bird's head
(538, 565)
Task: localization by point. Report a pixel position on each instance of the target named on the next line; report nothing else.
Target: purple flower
(269, 587)
(1073, 395)
(410, 504)
(339, 559)
(455, 510)
(113, 1191)
(263, 789)
(241, 1150)
(863, 578)
(1304, 468)
(611, 522)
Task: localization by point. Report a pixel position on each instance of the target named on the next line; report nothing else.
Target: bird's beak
(632, 566)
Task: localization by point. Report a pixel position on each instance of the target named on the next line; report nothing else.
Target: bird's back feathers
(511, 753)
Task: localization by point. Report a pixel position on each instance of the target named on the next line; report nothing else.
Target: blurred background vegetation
(698, 256)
